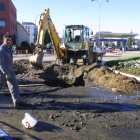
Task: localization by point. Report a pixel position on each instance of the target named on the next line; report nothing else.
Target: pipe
(32, 92)
(31, 85)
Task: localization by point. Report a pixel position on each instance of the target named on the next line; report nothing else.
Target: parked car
(109, 50)
(130, 48)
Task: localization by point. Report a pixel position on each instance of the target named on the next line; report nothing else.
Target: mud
(92, 75)
(85, 109)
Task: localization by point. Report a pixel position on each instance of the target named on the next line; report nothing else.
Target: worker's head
(7, 40)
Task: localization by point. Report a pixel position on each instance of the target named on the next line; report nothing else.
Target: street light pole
(35, 29)
(100, 3)
(35, 19)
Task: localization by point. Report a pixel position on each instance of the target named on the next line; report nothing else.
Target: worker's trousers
(12, 85)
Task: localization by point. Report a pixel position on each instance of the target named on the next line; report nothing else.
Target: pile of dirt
(67, 75)
(106, 78)
(25, 74)
(21, 66)
(76, 75)
(92, 75)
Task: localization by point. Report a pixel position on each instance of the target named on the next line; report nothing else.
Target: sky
(117, 16)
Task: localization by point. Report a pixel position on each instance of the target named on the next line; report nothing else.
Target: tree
(14, 39)
(25, 44)
(130, 41)
(47, 38)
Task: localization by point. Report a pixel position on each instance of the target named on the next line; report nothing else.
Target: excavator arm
(60, 52)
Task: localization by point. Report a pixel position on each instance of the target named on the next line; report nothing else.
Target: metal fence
(25, 55)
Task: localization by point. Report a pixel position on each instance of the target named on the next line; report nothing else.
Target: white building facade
(32, 29)
(22, 34)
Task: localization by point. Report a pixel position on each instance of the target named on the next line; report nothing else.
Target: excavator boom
(46, 23)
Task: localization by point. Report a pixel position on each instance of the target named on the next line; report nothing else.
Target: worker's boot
(18, 103)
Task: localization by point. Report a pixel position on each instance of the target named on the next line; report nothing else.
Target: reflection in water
(108, 95)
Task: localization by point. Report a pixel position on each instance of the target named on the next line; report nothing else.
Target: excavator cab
(75, 36)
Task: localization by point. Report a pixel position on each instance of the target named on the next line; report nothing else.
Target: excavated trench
(66, 75)
(76, 75)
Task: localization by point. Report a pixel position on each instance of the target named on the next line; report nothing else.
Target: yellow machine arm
(46, 23)
(59, 50)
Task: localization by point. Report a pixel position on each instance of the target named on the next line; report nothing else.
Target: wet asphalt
(74, 113)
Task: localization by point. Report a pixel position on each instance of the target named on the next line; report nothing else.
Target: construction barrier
(48, 51)
(112, 53)
(25, 55)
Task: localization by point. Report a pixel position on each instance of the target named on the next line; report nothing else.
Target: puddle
(108, 95)
(113, 107)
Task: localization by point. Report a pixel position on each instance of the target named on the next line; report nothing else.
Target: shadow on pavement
(17, 134)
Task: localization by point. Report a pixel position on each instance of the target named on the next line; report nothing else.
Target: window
(12, 11)
(2, 22)
(2, 6)
(28, 27)
(15, 14)
(11, 24)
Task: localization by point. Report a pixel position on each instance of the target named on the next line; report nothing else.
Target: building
(137, 42)
(32, 29)
(22, 34)
(109, 39)
(8, 19)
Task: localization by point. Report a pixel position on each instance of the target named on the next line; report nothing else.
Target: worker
(6, 69)
(15, 49)
(70, 38)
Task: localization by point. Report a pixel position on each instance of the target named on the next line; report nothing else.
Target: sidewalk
(126, 54)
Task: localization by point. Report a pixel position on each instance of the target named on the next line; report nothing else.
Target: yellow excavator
(75, 43)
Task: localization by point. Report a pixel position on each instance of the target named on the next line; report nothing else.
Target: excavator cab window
(67, 35)
(76, 33)
(86, 33)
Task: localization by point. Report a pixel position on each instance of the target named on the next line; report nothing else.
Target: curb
(122, 73)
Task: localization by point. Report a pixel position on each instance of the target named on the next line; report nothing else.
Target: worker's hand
(8, 76)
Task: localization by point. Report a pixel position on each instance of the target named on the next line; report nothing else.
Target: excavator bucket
(36, 60)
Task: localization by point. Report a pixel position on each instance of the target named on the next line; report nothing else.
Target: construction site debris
(76, 75)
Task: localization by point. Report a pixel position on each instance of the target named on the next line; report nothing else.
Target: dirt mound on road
(76, 75)
(106, 78)
(66, 75)
(21, 66)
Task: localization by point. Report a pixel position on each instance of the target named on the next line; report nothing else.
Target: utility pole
(100, 3)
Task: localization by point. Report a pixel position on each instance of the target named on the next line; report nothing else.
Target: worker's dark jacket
(6, 66)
